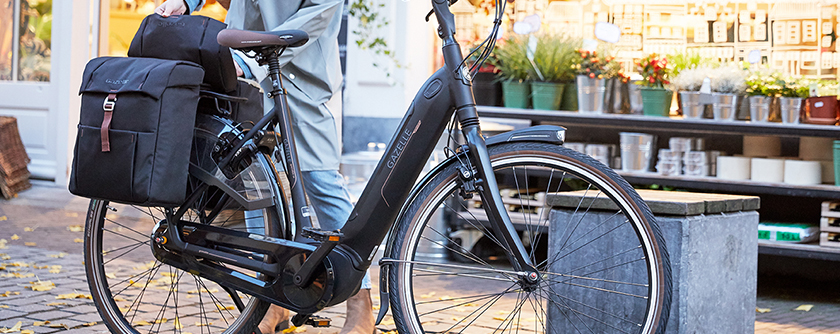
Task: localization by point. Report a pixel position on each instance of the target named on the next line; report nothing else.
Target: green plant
(512, 59)
(681, 61)
(792, 87)
(763, 81)
(654, 71)
(553, 57)
(370, 22)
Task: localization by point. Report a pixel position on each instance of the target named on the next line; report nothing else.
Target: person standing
(313, 76)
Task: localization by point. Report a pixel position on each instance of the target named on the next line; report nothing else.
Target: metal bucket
(690, 105)
(636, 151)
(599, 152)
(724, 106)
(590, 93)
(791, 109)
(759, 108)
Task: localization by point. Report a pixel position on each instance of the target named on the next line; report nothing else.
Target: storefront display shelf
(807, 251)
(649, 123)
(730, 186)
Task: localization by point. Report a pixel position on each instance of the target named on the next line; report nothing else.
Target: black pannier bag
(135, 131)
(245, 107)
(190, 38)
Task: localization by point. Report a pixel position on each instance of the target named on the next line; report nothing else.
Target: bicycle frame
(447, 92)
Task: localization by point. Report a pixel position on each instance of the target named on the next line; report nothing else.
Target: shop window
(25, 40)
(124, 18)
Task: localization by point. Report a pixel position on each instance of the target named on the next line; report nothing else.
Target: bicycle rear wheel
(599, 271)
(135, 293)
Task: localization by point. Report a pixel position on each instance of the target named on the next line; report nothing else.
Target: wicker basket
(14, 177)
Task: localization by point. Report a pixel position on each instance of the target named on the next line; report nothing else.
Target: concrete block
(713, 260)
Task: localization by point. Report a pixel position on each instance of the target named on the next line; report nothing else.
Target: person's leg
(329, 198)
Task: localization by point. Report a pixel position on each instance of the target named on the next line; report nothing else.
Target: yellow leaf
(41, 286)
(762, 310)
(15, 237)
(142, 323)
(27, 331)
(40, 323)
(28, 229)
(804, 307)
(2, 218)
(300, 329)
(73, 296)
(289, 330)
(58, 256)
(387, 322)
(222, 308)
(161, 321)
(178, 324)
(429, 295)
(58, 326)
(89, 324)
(112, 276)
(75, 228)
(5, 257)
(200, 324)
(78, 241)
(16, 327)
(4, 306)
(71, 214)
(30, 244)
(56, 304)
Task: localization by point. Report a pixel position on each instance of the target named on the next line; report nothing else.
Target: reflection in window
(6, 35)
(35, 38)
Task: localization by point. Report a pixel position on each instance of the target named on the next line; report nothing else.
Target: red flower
(591, 75)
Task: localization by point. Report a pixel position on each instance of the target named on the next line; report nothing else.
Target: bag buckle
(108, 104)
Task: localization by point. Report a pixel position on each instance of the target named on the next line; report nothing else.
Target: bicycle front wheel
(601, 270)
(135, 293)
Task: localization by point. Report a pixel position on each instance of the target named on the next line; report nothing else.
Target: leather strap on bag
(108, 107)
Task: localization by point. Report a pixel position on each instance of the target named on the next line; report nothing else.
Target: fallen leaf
(4, 306)
(214, 290)
(499, 318)
(28, 229)
(56, 304)
(804, 307)
(73, 296)
(200, 324)
(178, 324)
(289, 330)
(27, 331)
(142, 323)
(90, 324)
(58, 256)
(71, 214)
(428, 295)
(58, 326)
(5, 257)
(15, 237)
(15, 328)
(161, 321)
(78, 241)
(2, 218)
(387, 322)
(30, 244)
(41, 285)
(75, 228)
(110, 275)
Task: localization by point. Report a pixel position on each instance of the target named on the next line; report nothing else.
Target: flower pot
(743, 112)
(760, 108)
(791, 108)
(656, 101)
(487, 89)
(546, 95)
(590, 93)
(821, 110)
(724, 106)
(516, 94)
(569, 101)
(690, 105)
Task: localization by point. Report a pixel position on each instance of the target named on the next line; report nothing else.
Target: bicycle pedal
(310, 320)
(321, 235)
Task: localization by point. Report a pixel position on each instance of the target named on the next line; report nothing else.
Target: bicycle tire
(136, 293)
(605, 294)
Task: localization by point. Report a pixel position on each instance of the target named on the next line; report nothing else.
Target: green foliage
(370, 22)
(680, 61)
(512, 59)
(554, 57)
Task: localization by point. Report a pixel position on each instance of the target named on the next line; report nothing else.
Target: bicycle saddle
(248, 39)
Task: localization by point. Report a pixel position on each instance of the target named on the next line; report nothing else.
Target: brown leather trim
(106, 123)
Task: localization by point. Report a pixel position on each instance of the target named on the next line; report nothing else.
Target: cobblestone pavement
(46, 249)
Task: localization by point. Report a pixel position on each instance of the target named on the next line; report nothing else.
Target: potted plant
(591, 70)
(552, 64)
(728, 82)
(791, 95)
(514, 69)
(823, 108)
(762, 87)
(687, 83)
(656, 100)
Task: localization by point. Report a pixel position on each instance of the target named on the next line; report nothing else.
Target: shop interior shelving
(639, 123)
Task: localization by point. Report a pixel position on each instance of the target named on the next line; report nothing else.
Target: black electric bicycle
(470, 246)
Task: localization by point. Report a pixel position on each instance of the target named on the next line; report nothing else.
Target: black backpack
(135, 130)
(190, 38)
